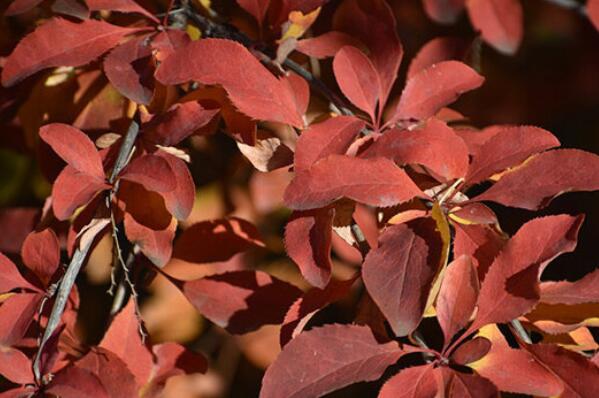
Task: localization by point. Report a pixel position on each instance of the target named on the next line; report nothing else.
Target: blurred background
(551, 82)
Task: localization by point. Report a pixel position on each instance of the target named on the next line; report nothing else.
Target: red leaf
(414, 382)
(178, 123)
(112, 372)
(544, 177)
(373, 23)
(20, 6)
(19, 392)
(73, 189)
(251, 87)
(156, 245)
(482, 243)
(462, 385)
(10, 277)
(375, 182)
(151, 171)
(173, 358)
(124, 340)
(474, 213)
(333, 136)
(437, 50)
(41, 254)
(499, 21)
(241, 301)
(218, 240)
(59, 42)
(593, 11)
(306, 306)
(457, 296)
(73, 8)
(326, 45)
(127, 68)
(167, 42)
(125, 6)
(257, 8)
(471, 351)
(510, 288)
(15, 366)
(21, 221)
(308, 243)
(16, 314)
(399, 273)
(74, 382)
(579, 292)
(74, 147)
(499, 152)
(357, 79)
(326, 359)
(434, 146)
(444, 11)
(433, 88)
(574, 370)
(268, 153)
(179, 201)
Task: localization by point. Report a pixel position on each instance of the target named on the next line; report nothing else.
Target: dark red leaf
(16, 314)
(437, 50)
(59, 42)
(21, 221)
(74, 147)
(444, 11)
(173, 358)
(311, 302)
(155, 244)
(510, 288)
(41, 254)
(15, 366)
(218, 240)
(471, 351)
(414, 382)
(74, 382)
(115, 377)
(581, 291)
(20, 392)
(433, 88)
(457, 296)
(375, 182)
(165, 43)
(178, 123)
(251, 87)
(326, 45)
(462, 385)
(481, 242)
(151, 171)
(21, 6)
(573, 369)
(11, 278)
(125, 69)
(308, 243)
(73, 189)
(241, 301)
(372, 22)
(73, 8)
(124, 340)
(257, 8)
(593, 11)
(544, 177)
(333, 136)
(126, 6)
(399, 273)
(499, 21)
(326, 359)
(499, 152)
(434, 146)
(357, 79)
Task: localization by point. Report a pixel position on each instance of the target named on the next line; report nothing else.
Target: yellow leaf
(298, 24)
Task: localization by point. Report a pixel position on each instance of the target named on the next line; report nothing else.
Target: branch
(571, 5)
(520, 331)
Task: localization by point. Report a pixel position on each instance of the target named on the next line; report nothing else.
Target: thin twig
(570, 5)
(520, 331)
(361, 241)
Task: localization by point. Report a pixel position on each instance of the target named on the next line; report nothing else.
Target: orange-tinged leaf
(325, 359)
(414, 382)
(375, 182)
(399, 273)
(251, 87)
(471, 350)
(533, 185)
(59, 42)
(357, 79)
(433, 88)
(457, 297)
(499, 21)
